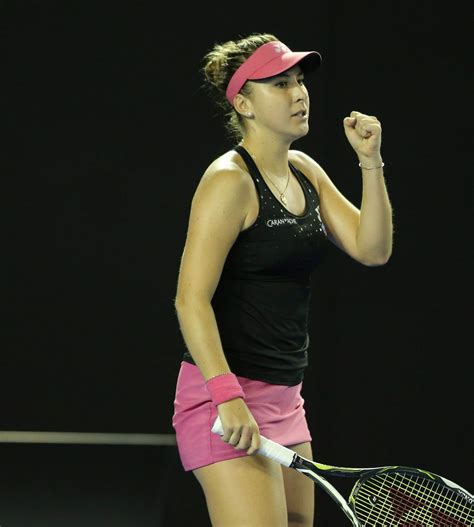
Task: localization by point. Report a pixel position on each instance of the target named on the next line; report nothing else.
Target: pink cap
(266, 61)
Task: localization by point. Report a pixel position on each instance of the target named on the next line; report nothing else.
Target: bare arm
(217, 215)
(218, 212)
(364, 233)
(375, 230)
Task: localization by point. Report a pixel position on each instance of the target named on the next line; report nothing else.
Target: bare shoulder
(225, 188)
(226, 171)
(218, 212)
(306, 164)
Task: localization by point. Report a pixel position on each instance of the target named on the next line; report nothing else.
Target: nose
(299, 92)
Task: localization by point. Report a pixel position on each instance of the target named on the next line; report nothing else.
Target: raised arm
(364, 233)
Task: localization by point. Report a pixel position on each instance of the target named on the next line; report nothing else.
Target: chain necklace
(282, 194)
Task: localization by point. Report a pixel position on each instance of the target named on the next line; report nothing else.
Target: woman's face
(280, 104)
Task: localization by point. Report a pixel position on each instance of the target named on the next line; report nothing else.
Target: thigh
(244, 491)
(299, 491)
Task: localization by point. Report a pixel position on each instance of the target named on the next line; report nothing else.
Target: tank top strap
(255, 172)
(253, 169)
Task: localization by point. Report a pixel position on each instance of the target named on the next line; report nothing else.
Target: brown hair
(220, 64)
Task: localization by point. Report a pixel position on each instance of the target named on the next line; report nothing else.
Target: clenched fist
(364, 133)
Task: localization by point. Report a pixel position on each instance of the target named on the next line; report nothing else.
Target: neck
(270, 157)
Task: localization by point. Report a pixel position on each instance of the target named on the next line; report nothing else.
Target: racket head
(409, 497)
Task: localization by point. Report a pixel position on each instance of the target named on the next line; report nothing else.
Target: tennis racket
(391, 496)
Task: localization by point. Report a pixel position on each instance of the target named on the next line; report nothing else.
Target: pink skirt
(278, 410)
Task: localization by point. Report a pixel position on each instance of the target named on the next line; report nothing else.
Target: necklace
(282, 193)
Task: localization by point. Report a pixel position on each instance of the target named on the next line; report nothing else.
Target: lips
(301, 113)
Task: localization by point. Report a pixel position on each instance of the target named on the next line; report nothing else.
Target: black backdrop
(107, 134)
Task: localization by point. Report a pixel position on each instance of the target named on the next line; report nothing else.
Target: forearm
(375, 229)
(201, 335)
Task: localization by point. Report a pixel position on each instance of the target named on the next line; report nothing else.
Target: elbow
(183, 302)
(377, 260)
(376, 263)
(181, 309)
(374, 254)
(179, 304)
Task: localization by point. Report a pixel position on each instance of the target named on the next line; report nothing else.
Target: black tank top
(261, 303)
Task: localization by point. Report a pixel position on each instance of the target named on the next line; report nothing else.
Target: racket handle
(268, 448)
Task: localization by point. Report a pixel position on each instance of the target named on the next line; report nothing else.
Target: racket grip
(268, 448)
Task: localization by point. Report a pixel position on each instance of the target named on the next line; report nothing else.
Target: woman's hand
(364, 133)
(240, 428)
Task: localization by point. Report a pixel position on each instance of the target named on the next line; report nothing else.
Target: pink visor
(266, 61)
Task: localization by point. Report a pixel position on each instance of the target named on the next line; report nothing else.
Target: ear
(243, 106)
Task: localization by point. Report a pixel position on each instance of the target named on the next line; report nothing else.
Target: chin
(302, 133)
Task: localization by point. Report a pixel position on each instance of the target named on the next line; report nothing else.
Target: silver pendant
(283, 199)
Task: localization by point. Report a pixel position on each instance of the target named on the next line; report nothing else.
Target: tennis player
(260, 221)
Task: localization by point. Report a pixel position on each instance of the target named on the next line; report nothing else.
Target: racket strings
(408, 500)
(405, 505)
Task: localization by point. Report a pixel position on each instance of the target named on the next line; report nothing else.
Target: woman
(260, 219)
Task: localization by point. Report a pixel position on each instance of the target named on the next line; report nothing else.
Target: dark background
(107, 133)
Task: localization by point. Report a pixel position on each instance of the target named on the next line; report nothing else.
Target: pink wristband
(224, 387)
